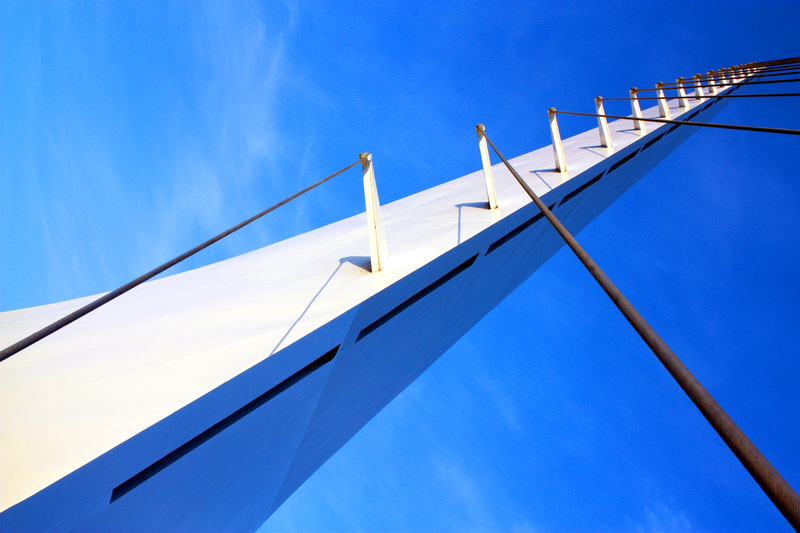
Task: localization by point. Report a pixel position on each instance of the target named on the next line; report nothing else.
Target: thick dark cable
(704, 82)
(764, 82)
(784, 61)
(687, 123)
(779, 68)
(760, 74)
(769, 479)
(688, 85)
(757, 73)
(765, 95)
(75, 315)
(757, 70)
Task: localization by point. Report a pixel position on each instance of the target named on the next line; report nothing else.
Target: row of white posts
(716, 81)
(378, 251)
(721, 79)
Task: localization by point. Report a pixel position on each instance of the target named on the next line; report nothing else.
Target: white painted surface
(698, 88)
(602, 124)
(378, 248)
(555, 136)
(683, 101)
(491, 192)
(663, 106)
(637, 111)
(93, 404)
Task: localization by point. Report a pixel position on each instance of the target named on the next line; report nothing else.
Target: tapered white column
(698, 88)
(602, 124)
(378, 252)
(637, 111)
(663, 105)
(723, 79)
(558, 149)
(712, 87)
(682, 100)
(491, 194)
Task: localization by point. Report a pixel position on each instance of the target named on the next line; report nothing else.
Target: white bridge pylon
(222, 389)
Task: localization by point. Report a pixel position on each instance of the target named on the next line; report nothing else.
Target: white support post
(378, 252)
(558, 149)
(723, 80)
(712, 89)
(637, 111)
(682, 100)
(698, 88)
(663, 105)
(491, 194)
(602, 124)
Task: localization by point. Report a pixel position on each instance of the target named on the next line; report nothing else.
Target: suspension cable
(761, 74)
(687, 123)
(764, 95)
(688, 84)
(86, 309)
(757, 71)
(769, 479)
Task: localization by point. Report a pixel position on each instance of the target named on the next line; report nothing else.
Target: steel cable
(687, 123)
(86, 309)
(769, 479)
(764, 95)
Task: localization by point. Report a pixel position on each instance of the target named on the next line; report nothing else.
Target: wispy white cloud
(217, 170)
(660, 518)
(468, 491)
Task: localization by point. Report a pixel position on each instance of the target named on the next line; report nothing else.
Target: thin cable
(774, 485)
(756, 69)
(688, 123)
(761, 74)
(764, 82)
(783, 61)
(765, 95)
(758, 73)
(689, 85)
(86, 309)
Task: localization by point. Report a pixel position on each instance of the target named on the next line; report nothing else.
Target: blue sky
(130, 132)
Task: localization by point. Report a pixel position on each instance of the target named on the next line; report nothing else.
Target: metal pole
(773, 484)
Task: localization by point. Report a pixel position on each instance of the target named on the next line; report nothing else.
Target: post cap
(551, 111)
(480, 128)
(365, 157)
